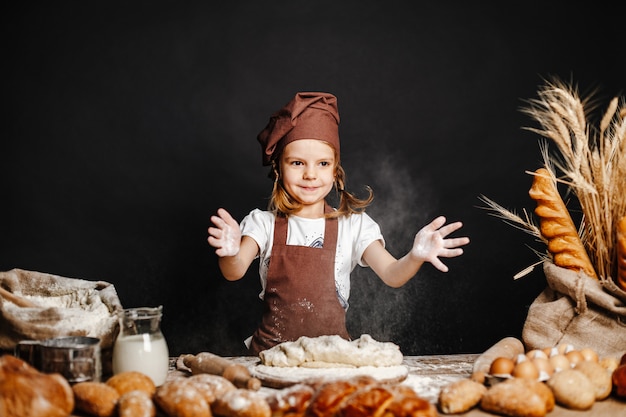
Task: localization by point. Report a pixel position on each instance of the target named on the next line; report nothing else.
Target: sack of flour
(60, 306)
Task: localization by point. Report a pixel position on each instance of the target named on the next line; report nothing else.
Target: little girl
(308, 249)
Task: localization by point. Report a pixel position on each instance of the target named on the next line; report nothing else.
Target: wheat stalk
(591, 162)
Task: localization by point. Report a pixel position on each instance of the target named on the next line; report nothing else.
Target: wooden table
(428, 374)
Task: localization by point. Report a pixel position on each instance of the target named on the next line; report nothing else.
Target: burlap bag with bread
(584, 303)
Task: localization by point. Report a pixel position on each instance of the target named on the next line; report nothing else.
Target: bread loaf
(621, 253)
(28, 392)
(518, 397)
(557, 227)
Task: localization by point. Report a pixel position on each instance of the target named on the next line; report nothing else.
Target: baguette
(557, 227)
(621, 253)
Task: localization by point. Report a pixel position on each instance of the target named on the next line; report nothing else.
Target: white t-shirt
(354, 235)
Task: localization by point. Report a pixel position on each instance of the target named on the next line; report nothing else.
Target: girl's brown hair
(282, 203)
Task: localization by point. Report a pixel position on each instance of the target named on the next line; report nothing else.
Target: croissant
(557, 227)
(621, 253)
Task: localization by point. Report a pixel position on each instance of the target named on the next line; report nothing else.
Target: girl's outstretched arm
(235, 253)
(430, 243)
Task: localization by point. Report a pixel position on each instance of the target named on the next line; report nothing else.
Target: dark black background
(127, 124)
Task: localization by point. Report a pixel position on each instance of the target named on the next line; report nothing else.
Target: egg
(545, 368)
(526, 370)
(589, 355)
(502, 366)
(563, 348)
(574, 357)
(559, 362)
(536, 353)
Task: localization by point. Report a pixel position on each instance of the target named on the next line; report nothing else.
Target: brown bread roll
(211, 386)
(130, 381)
(557, 227)
(460, 396)
(28, 392)
(95, 398)
(179, 398)
(136, 404)
(241, 402)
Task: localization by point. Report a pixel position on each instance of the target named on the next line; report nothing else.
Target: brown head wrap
(306, 116)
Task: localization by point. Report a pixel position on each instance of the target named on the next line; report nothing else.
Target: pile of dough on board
(332, 351)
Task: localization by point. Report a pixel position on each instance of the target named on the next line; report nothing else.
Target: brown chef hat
(306, 116)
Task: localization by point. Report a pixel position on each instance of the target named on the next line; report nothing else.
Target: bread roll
(28, 392)
(95, 398)
(179, 398)
(460, 396)
(621, 253)
(557, 227)
(130, 381)
(136, 404)
(371, 401)
(241, 402)
(211, 386)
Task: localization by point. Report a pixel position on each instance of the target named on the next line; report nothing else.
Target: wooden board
(281, 377)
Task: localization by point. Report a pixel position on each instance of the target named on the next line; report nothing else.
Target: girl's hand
(226, 235)
(430, 243)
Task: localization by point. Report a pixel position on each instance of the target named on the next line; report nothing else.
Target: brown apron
(300, 295)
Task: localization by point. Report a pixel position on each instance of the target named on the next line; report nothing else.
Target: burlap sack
(578, 310)
(63, 307)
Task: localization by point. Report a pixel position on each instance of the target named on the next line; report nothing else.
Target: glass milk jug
(140, 345)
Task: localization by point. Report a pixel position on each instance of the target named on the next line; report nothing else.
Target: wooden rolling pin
(208, 363)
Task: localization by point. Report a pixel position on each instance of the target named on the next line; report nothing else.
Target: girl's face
(307, 167)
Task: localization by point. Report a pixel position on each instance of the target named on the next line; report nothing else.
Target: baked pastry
(621, 253)
(179, 398)
(364, 396)
(241, 402)
(291, 401)
(136, 403)
(406, 403)
(211, 386)
(28, 392)
(557, 226)
(131, 381)
(95, 398)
